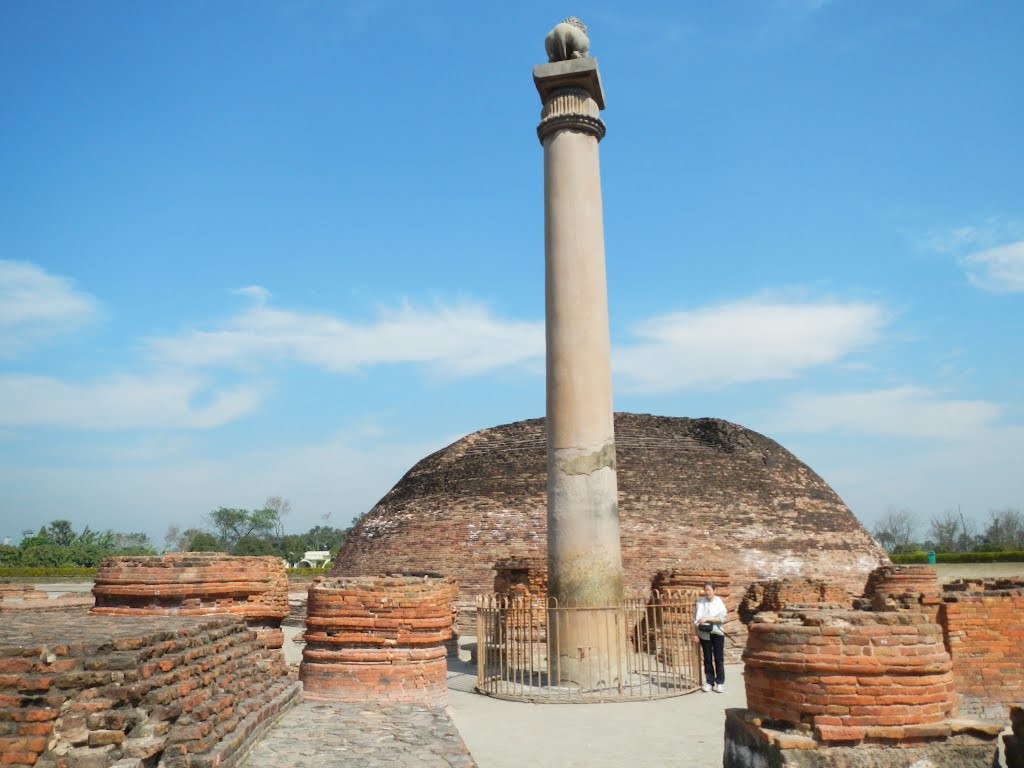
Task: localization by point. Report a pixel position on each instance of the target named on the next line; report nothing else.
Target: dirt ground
(953, 571)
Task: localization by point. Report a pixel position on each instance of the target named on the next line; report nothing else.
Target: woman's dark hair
(709, 584)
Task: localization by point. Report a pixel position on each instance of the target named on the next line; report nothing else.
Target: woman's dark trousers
(713, 651)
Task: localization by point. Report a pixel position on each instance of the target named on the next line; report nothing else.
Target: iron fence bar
(641, 649)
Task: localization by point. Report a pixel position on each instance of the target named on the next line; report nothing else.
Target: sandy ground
(953, 571)
(685, 730)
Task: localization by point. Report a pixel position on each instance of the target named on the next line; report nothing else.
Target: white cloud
(913, 412)
(742, 342)
(121, 402)
(984, 233)
(1000, 269)
(461, 340)
(35, 304)
(255, 292)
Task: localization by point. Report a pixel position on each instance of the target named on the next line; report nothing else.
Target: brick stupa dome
(692, 493)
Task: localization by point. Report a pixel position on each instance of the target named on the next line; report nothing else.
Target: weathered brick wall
(753, 742)
(903, 587)
(521, 577)
(775, 595)
(197, 584)
(692, 493)
(524, 583)
(378, 639)
(852, 675)
(983, 625)
(782, 594)
(15, 591)
(92, 690)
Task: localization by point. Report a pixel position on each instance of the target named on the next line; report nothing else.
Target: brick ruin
(378, 639)
(827, 685)
(26, 597)
(983, 624)
(181, 691)
(789, 594)
(523, 581)
(902, 587)
(851, 675)
(692, 493)
(197, 584)
(521, 577)
(10, 591)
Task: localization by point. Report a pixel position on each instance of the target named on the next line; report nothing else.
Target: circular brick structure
(691, 491)
(197, 584)
(378, 639)
(903, 587)
(851, 674)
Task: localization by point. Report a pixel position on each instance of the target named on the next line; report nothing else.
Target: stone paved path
(319, 735)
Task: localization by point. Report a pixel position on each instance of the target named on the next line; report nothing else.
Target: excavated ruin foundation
(82, 690)
(197, 584)
(378, 639)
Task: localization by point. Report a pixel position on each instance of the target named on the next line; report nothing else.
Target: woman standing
(710, 616)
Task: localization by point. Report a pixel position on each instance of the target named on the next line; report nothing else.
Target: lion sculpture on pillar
(568, 40)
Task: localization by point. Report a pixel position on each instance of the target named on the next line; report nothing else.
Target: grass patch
(914, 558)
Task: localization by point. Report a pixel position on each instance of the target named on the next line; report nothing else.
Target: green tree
(9, 556)
(322, 537)
(61, 533)
(46, 555)
(250, 545)
(233, 525)
(1005, 531)
(203, 541)
(292, 547)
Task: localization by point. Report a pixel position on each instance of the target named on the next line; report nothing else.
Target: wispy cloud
(122, 402)
(35, 305)
(255, 292)
(460, 340)
(743, 342)
(991, 252)
(910, 412)
(1000, 270)
(986, 233)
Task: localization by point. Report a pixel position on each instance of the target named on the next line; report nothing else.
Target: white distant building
(315, 559)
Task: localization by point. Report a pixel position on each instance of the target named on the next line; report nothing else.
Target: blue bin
(931, 558)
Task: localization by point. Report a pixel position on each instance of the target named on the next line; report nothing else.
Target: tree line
(900, 531)
(56, 545)
(226, 529)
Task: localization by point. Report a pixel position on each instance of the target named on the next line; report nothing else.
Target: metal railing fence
(641, 649)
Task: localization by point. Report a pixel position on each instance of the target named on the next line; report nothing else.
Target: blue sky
(252, 249)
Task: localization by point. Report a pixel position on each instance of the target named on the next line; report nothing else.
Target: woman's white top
(711, 609)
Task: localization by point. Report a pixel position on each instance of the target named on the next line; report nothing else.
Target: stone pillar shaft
(583, 520)
(584, 560)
